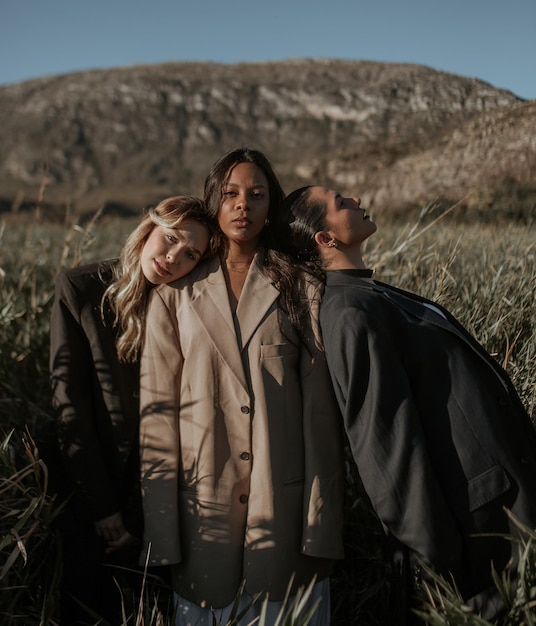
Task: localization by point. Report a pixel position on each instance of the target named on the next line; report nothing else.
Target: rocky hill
(399, 135)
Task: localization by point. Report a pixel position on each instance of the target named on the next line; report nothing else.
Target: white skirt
(190, 614)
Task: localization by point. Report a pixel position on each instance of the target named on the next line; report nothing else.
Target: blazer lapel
(418, 308)
(255, 301)
(210, 302)
(411, 302)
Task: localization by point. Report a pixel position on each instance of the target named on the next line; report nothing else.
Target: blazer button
(243, 498)
(245, 409)
(245, 456)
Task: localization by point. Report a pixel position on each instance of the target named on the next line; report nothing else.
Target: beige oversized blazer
(240, 441)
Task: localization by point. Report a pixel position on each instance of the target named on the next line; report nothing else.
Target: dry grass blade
(28, 548)
(415, 233)
(445, 606)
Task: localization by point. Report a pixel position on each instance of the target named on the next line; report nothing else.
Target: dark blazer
(95, 399)
(440, 437)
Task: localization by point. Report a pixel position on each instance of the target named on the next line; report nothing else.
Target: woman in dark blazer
(439, 435)
(95, 336)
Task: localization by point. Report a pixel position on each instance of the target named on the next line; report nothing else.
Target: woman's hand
(114, 533)
(110, 528)
(126, 540)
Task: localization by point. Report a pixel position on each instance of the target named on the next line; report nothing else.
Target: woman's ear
(325, 240)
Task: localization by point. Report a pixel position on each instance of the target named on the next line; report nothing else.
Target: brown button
(243, 498)
(245, 456)
(245, 409)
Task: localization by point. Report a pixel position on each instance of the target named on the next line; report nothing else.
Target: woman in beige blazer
(240, 434)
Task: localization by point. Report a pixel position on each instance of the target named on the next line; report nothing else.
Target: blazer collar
(210, 303)
(415, 305)
(419, 307)
(412, 303)
(334, 278)
(256, 300)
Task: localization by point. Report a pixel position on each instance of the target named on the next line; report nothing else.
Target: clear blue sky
(494, 40)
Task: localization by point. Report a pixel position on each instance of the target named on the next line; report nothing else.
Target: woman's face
(171, 253)
(244, 204)
(345, 220)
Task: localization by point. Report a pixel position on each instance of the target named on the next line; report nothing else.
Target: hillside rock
(396, 133)
(472, 159)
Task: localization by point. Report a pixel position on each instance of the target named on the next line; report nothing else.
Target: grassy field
(485, 273)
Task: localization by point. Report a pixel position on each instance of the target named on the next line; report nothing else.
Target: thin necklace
(240, 267)
(238, 270)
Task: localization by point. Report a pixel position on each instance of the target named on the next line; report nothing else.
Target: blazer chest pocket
(487, 487)
(281, 361)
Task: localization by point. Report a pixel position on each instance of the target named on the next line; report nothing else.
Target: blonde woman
(96, 334)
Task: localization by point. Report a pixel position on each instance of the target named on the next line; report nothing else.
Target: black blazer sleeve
(385, 435)
(82, 420)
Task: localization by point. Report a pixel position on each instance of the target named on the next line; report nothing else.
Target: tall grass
(30, 553)
(484, 273)
(444, 605)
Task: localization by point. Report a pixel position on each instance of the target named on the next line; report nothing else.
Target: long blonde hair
(126, 297)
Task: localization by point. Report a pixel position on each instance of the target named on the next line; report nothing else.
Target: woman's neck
(344, 260)
(237, 252)
(236, 261)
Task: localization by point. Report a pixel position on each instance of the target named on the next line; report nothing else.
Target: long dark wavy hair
(280, 266)
(299, 219)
